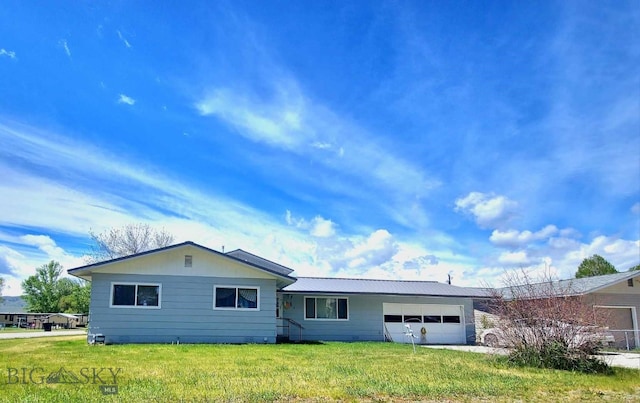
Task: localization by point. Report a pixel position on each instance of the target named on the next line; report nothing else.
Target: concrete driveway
(622, 359)
(29, 335)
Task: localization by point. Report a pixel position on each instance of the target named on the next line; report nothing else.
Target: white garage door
(442, 324)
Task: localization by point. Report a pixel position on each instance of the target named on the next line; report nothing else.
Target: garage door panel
(619, 320)
(427, 316)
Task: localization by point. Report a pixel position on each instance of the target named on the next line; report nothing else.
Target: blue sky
(371, 139)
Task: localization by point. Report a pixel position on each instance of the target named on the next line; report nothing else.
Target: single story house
(22, 319)
(35, 319)
(187, 293)
(10, 318)
(63, 320)
(616, 296)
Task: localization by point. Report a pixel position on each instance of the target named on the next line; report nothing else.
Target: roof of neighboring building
(259, 261)
(78, 271)
(570, 287)
(64, 315)
(389, 287)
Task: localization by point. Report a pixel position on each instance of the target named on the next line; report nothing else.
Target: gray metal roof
(571, 287)
(258, 261)
(586, 285)
(390, 287)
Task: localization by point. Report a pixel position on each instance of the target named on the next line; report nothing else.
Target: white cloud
(273, 121)
(514, 238)
(488, 209)
(375, 250)
(310, 246)
(123, 99)
(320, 145)
(635, 209)
(26, 254)
(123, 39)
(288, 120)
(63, 43)
(563, 255)
(377, 255)
(317, 227)
(518, 258)
(44, 243)
(322, 228)
(8, 53)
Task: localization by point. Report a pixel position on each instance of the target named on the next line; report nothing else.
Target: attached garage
(620, 321)
(379, 310)
(430, 323)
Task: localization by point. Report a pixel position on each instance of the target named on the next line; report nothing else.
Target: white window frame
(235, 308)
(315, 297)
(135, 306)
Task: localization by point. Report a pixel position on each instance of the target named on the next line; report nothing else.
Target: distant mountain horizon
(13, 304)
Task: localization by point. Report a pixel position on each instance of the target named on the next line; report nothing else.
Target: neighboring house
(35, 320)
(188, 293)
(617, 296)
(63, 320)
(10, 318)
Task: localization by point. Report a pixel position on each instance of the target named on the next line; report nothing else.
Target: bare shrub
(127, 240)
(547, 323)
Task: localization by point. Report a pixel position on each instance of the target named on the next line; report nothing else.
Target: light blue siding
(365, 317)
(186, 312)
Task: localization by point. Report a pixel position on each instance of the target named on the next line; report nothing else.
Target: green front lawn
(331, 371)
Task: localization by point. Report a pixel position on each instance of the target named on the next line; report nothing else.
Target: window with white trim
(135, 295)
(232, 297)
(326, 308)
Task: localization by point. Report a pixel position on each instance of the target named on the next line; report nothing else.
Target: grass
(331, 371)
(18, 330)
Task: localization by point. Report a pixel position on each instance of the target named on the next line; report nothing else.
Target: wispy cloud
(71, 206)
(65, 46)
(313, 246)
(124, 99)
(8, 53)
(514, 238)
(123, 39)
(589, 132)
(276, 124)
(288, 120)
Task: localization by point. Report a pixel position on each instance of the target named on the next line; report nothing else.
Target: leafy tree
(595, 265)
(78, 300)
(42, 290)
(636, 267)
(47, 292)
(127, 240)
(1, 287)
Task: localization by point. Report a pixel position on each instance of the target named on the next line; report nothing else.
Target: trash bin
(46, 327)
